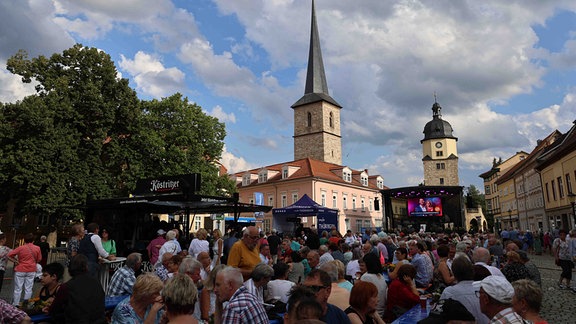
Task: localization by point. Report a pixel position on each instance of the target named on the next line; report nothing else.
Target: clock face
(438, 144)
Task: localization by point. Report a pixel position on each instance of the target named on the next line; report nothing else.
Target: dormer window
(380, 183)
(246, 179)
(284, 173)
(347, 175)
(364, 180)
(263, 176)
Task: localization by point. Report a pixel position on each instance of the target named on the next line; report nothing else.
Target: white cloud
(13, 88)
(151, 77)
(222, 116)
(234, 163)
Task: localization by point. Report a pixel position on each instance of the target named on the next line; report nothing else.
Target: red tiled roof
(310, 168)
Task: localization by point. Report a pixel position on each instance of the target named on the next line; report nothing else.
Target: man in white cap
(155, 245)
(496, 300)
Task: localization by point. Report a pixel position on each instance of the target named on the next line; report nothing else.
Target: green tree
(474, 198)
(85, 135)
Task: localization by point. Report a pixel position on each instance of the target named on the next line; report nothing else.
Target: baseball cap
(161, 232)
(497, 287)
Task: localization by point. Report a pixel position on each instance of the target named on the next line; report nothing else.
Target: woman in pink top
(25, 258)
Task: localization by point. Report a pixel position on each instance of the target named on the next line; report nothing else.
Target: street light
(510, 217)
(572, 198)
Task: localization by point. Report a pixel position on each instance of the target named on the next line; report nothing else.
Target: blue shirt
(335, 315)
(424, 269)
(125, 314)
(122, 282)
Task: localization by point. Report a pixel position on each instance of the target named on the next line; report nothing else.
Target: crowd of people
(251, 276)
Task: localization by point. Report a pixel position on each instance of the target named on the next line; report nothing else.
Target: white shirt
(493, 270)
(171, 246)
(197, 246)
(97, 241)
(280, 289)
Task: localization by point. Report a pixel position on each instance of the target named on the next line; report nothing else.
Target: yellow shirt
(241, 257)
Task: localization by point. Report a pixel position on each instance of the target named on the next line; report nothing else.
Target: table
(105, 267)
(109, 304)
(414, 315)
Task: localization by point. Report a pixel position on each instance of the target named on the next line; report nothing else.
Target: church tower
(316, 114)
(439, 151)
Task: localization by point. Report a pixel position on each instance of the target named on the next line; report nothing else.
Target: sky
(504, 72)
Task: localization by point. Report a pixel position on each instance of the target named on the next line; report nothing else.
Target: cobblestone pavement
(558, 307)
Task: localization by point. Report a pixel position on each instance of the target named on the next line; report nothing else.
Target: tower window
(441, 181)
(440, 166)
(309, 119)
(439, 153)
(331, 120)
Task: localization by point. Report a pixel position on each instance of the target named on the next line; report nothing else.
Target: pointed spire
(316, 77)
(316, 86)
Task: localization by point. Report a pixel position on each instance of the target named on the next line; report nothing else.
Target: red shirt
(399, 294)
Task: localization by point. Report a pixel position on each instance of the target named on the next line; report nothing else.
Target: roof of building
(566, 144)
(437, 127)
(311, 168)
(541, 147)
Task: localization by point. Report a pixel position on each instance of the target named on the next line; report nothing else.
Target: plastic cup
(423, 301)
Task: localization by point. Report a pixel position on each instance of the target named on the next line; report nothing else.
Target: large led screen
(424, 207)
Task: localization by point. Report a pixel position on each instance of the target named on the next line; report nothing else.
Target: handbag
(38, 265)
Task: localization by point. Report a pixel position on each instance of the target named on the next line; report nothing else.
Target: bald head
(204, 259)
(481, 254)
(250, 237)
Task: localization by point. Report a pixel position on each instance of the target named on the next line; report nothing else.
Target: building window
(331, 120)
(271, 201)
(487, 190)
(309, 120)
(359, 225)
(362, 205)
(294, 197)
(262, 177)
(440, 166)
(380, 184)
(323, 199)
(344, 203)
(284, 201)
(246, 180)
(547, 193)
(560, 187)
(284, 173)
(441, 181)
(553, 190)
(353, 203)
(347, 176)
(367, 223)
(266, 225)
(334, 201)
(364, 181)
(371, 204)
(197, 223)
(569, 184)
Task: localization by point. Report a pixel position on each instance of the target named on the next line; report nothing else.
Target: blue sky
(504, 71)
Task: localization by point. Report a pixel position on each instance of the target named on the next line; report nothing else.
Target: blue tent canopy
(304, 207)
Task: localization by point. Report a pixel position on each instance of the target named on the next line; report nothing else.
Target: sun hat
(497, 287)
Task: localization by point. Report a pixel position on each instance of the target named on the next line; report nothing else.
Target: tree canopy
(86, 135)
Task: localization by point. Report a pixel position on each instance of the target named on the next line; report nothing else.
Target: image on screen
(423, 207)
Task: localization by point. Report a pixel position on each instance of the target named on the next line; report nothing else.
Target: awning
(241, 219)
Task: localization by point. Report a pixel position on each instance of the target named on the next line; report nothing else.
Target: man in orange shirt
(245, 254)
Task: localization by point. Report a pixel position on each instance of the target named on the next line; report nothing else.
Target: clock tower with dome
(439, 151)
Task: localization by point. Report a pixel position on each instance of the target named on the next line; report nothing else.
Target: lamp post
(510, 217)
(572, 198)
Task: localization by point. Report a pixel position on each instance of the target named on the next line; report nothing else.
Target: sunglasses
(315, 288)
